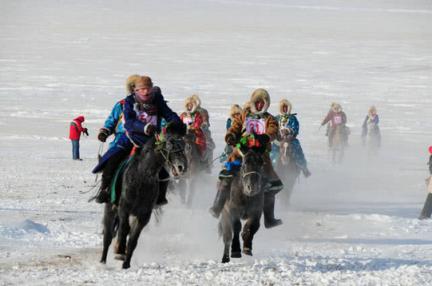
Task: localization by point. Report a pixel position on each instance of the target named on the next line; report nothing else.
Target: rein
(165, 153)
(251, 173)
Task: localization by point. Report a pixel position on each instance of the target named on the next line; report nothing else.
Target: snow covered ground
(349, 224)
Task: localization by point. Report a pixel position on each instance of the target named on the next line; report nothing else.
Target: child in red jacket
(75, 131)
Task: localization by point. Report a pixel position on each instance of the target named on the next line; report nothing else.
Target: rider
(210, 145)
(372, 118)
(289, 126)
(143, 111)
(114, 123)
(235, 113)
(258, 122)
(194, 122)
(337, 118)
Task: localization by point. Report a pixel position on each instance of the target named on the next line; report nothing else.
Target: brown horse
(338, 139)
(246, 202)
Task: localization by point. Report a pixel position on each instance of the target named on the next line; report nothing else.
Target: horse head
(189, 140)
(250, 173)
(173, 152)
(285, 145)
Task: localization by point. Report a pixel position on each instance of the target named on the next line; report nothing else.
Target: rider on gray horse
(259, 125)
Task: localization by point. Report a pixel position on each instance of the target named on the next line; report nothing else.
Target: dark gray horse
(373, 138)
(187, 184)
(246, 202)
(286, 167)
(140, 189)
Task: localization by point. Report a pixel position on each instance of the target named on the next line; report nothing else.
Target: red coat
(76, 128)
(194, 123)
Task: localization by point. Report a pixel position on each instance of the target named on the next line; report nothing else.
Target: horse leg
(235, 247)
(192, 183)
(225, 228)
(250, 228)
(182, 190)
(138, 224)
(109, 230)
(123, 232)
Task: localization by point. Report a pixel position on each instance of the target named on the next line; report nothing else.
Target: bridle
(166, 153)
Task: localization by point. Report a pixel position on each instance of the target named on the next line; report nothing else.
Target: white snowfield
(349, 224)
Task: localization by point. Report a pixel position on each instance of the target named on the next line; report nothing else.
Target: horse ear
(176, 128)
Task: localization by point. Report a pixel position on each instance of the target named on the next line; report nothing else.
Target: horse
(140, 190)
(246, 202)
(286, 166)
(195, 166)
(373, 140)
(338, 137)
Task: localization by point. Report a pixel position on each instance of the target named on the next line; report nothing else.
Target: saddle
(117, 180)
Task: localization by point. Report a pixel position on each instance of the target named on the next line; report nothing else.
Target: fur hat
(247, 106)
(197, 100)
(285, 102)
(192, 100)
(235, 109)
(257, 95)
(372, 110)
(130, 83)
(336, 107)
(143, 81)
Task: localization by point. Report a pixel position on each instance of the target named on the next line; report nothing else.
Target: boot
(269, 219)
(163, 186)
(427, 208)
(222, 195)
(103, 196)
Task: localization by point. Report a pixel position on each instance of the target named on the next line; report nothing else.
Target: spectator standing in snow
(427, 208)
(75, 131)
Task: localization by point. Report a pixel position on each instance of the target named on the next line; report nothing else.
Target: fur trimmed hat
(130, 83)
(285, 102)
(247, 106)
(235, 109)
(191, 100)
(197, 100)
(143, 81)
(336, 107)
(257, 95)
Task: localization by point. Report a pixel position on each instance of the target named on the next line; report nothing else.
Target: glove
(263, 139)
(85, 131)
(230, 139)
(176, 127)
(103, 134)
(149, 129)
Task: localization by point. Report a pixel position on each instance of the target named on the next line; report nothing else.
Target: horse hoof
(126, 265)
(103, 261)
(225, 259)
(236, 254)
(121, 257)
(247, 251)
